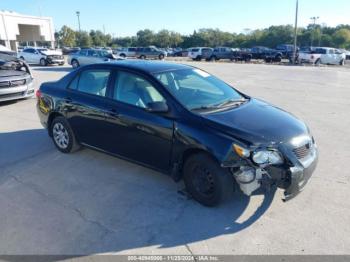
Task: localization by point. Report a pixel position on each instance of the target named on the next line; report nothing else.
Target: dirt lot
(88, 202)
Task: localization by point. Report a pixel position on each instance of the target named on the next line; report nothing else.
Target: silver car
(16, 81)
(89, 56)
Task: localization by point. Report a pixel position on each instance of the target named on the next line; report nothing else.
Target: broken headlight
(272, 157)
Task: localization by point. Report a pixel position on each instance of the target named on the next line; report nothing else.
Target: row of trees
(312, 35)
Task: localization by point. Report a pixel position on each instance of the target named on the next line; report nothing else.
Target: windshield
(196, 89)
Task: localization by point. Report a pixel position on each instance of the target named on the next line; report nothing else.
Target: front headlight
(267, 157)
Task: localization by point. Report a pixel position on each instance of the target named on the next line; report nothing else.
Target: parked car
(232, 54)
(16, 80)
(322, 55)
(286, 50)
(267, 54)
(126, 52)
(180, 53)
(198, 53)
(90, 56)
(181, 121)
(346, 52)
(150, 52)
(69, 50)
(41, 56)
(219, 53)
(242, 54)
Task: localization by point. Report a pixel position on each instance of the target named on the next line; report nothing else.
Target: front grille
(14, 83)
(4, 84)
(55, 57)
(12, 95)
(303, 151)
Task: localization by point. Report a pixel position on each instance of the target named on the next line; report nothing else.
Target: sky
(125, 18)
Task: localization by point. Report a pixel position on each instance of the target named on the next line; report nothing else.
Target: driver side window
(135, 90)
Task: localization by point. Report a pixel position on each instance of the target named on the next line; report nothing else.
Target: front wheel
(206, 181)
(43, 62)
(161, 57)
(63, 136)
(143, 57)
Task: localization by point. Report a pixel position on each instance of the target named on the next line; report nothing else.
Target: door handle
(112, 112)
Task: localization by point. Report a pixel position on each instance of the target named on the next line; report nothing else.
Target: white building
(15, 28)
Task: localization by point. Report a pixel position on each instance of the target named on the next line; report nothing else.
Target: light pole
(295, 32)
(314, 19)
(79, 35)
(78, 15)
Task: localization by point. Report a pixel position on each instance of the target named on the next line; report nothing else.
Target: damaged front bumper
(301, 158)
(300, 174)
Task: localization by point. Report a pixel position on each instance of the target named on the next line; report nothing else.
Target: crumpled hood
(258, 122)
(51, 52)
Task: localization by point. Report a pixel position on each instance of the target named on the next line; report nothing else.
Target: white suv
(197, 53)
(41, 56)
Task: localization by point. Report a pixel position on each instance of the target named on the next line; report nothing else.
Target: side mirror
(157, 107)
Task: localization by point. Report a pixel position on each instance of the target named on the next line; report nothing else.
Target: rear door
(85, 105)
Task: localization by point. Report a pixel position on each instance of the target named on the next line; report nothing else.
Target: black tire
(342, 62)
(213, 58)
(278, 59)
(62, 64)
(61, 132)
(206, 181)
(43, 62)
(122, 55)
(161, 57)
(199, 58)
(22, 58)
(75, 63)
(143, 57)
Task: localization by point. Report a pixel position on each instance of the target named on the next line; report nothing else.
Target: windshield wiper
(230, 102)
(204, 108)
(218, 106)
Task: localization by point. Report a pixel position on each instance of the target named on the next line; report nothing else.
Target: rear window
(320, 51)
(195, 50)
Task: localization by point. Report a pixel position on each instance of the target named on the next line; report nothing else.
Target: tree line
(315, 35)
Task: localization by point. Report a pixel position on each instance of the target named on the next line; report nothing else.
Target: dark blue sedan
(181, 121)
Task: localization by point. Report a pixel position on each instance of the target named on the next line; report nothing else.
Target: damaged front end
(288, 165)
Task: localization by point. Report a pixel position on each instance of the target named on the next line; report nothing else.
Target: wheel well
(185, 156)
(51, 118)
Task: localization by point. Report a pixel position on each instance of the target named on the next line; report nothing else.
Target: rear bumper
(299, 176)
(14, 93)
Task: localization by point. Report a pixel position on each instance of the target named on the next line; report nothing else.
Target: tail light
(38, 93)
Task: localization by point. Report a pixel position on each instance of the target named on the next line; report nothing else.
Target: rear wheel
(278, 59)
(206, 181)
(122, 55)
(342, 62)
(143, 57)
(63, 136)
(161, 57)
(43, 62)
(22, 58)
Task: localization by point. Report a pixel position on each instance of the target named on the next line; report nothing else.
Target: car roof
(149, 66)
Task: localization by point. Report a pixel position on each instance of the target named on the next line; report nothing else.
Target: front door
(135, 133)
